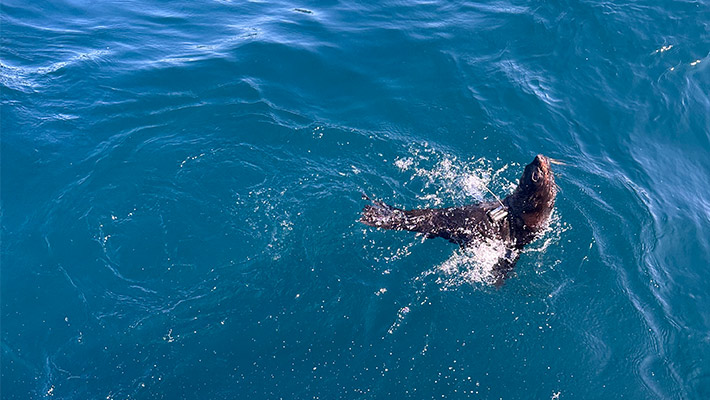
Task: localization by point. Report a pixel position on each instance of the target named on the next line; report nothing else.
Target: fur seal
(516, 220)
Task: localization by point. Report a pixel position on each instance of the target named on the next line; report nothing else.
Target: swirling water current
(181, 182)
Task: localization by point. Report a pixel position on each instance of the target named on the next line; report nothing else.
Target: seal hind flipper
(453, 224)
(381, 215)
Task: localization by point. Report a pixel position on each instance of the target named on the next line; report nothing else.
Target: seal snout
(542, 162)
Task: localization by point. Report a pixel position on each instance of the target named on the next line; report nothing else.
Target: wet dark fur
(529, 208)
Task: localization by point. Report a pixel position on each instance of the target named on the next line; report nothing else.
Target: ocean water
(181, 183)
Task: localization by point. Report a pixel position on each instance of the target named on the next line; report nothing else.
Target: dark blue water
(181, 183)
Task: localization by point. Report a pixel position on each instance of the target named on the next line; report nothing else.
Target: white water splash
(453, 180)
(471, 265)
(401, 314)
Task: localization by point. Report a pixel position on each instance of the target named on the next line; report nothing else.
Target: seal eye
(536, 176)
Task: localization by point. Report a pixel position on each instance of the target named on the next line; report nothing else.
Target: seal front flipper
(503, 267)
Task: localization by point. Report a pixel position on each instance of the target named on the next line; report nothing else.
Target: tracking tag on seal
(497, 214)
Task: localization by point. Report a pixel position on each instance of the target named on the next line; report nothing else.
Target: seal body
(522, 216)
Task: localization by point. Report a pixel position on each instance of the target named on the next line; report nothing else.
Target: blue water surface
(181, 183)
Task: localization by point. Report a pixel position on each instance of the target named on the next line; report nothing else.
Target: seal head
(531, 204)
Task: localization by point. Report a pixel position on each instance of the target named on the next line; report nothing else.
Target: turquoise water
(181, 183)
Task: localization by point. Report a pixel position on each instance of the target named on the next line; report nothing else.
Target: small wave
(25, 79)
(530, 82)
(94, 56)
(16, 78)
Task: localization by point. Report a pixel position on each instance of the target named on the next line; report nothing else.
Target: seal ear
(535, 176)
